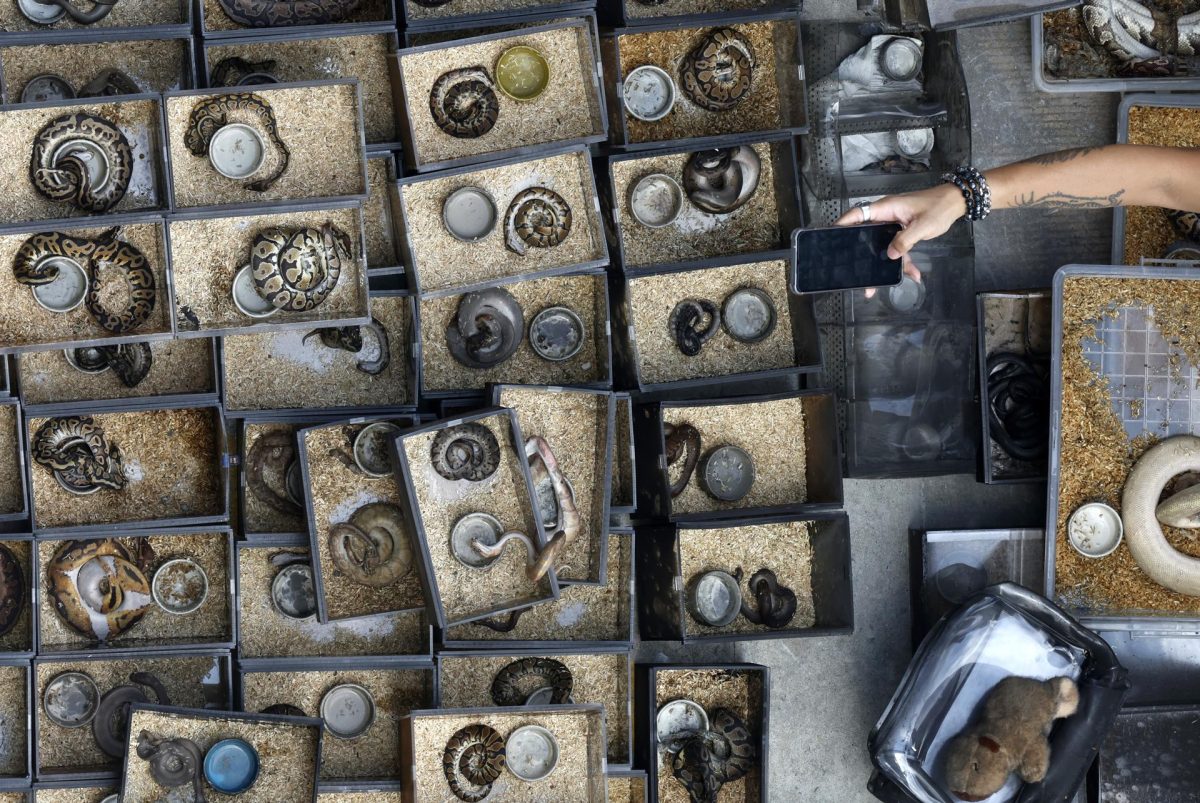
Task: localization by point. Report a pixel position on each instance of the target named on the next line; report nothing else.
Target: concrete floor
(826, 694)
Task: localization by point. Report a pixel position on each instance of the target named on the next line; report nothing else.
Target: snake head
(337, 240)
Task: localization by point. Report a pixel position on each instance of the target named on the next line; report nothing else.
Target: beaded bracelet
(975, 191)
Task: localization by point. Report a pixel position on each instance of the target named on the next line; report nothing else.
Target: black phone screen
(845, 258)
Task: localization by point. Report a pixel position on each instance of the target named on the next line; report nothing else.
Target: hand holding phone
(844, 258)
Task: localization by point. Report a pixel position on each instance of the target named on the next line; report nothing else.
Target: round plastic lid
(482, 526)
(67, 291)
(716, 598)
(246, 297)
(748, 315)
(556, 334)
(522, 73)
(49, 86)
(531, 753)
(348, 710)
(92, 156)
(469, 214)
(71, 699)
(231, 766)
(656, 200)
(180, 586)
(371, 448)
(42, 13)
(678, 717)
(728, 473)
(649, 93)
(293, 593)
(236, 151)
(1095, 530)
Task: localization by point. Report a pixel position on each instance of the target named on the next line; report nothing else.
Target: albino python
(372, 549)
(546, 476)
(62, 174)
(1141, 513)
(212, 114)
(464, 103)
(537, 218)
(703, 761)
(270, 13)
(472, 761)
(75, 450)
(105, 251)
(509, 687)
(297, 271)
(98, 587)
(717, 72)
(1133, 33)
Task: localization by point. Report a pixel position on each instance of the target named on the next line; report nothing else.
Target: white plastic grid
(1154, 389)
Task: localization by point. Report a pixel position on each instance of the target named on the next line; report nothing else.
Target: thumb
(905, 241)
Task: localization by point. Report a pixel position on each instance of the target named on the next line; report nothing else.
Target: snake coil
(273, 13)
(718, 71)
(704, 761)
(722, 180)
(464, 103)
(507, 686)
(112, 715)
(97, 588)
(269, 459)
(536, 218)
(349, 338)
(1018, 406)
(776, 603)
(487, 329)
(74, 449)
(465, 452)
(173, 762)
(297, 271)
(131, 362)
(472, 761)
(372, 548)
(682, 441)
(211, 115)
(59, 170)
(693, 323)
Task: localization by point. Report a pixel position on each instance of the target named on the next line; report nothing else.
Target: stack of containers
(738, 466)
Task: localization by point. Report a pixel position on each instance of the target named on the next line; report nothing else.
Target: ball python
(1139, 36)
(98, 587)
(510, 686)
(707, 760)
(682, 441)
(297, 271)
(536, 218)
(112, 714)
(465, 452)
(236, 71)
(349, 338)
(61, 174)
(543, 469)
(776, 603)
(75, 450)
(1018, 405)
(472, 761)
(464, 103)
(212, 114)
(12, 590)
(1140, 513)
(488, 328)
(271, 13)
(173, 762)
(372, 548)
(722, 180)
(1187, 224)
(267, 463)
(692, 323)
(718, 70)
(131, 362)
(96, 255)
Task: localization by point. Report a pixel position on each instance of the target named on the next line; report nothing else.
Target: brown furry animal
(1011, 736)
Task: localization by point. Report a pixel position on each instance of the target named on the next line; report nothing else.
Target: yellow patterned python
(717, 73)
(30, 267)
(63, 176)
(209, 116)
(297, 271)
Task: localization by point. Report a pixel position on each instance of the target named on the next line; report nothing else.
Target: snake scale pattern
(465, 452)
(279, 13)
(268, 460)
(98, 587)
(298, 270)
(510, 686)
(776, 603)
(472, 761)
(212, 114)
(682, 441)
(33, 266)
(75, 450)
(536, 218)
(372, 548)
(464, 103)
(718, 71)
(707, 760)
(60, 172)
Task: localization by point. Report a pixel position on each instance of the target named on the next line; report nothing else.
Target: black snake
(60, 172)
(703, 761)
(717, 72)
(536, 218)
(297, 271)
(112, 715)
(97, 12)
(211, 115)
(1018, 389)
(271, 13)
(776, 603)
(31, 267)
(173, 762)
(75, 450)
(472, 761)
(349, 338)
(98, 587)
(372, 548)
(509, 687)
(131, 362)
(693, 322)
(269, 458)
(722, 180)
(465, 452)
(464, 103)
(682, 441)
(488, 328)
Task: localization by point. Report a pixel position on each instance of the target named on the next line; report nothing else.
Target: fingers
(852, 217)
(904, 242)
(909, 269)
(889, 209)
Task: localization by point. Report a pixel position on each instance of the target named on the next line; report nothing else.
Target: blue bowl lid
(231, 766)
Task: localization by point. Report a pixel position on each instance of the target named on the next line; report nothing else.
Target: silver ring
(866, 211)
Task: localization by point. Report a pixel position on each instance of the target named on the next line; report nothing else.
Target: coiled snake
(776, 603)
(509, 686)
(12, 589)
(75, 450)
(1141, 513)
(372, 549)
(465, 452)
(62, 152)
(98, 587)
(269, 459)
(298, 271)
(722, 180)
(209, 116)
(472, 761)
(717, 72)
(464, 103)
(33, 266)
(693, 323)
(682, 441)
(536, 218)
(269, 13)
(173, 762)
(112, 715)
(488, 328)
(131, 362)
(349, 338)
(706, 760)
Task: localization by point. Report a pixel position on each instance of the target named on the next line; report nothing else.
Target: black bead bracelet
(975, 191)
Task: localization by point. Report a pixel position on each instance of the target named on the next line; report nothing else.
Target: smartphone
(844, 258)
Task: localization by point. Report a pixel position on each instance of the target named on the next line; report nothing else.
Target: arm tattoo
(1062, 200)
(1060, 156)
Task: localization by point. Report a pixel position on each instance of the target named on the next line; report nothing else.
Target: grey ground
(826, 694)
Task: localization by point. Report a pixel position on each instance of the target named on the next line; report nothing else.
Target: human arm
(1080, 178)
